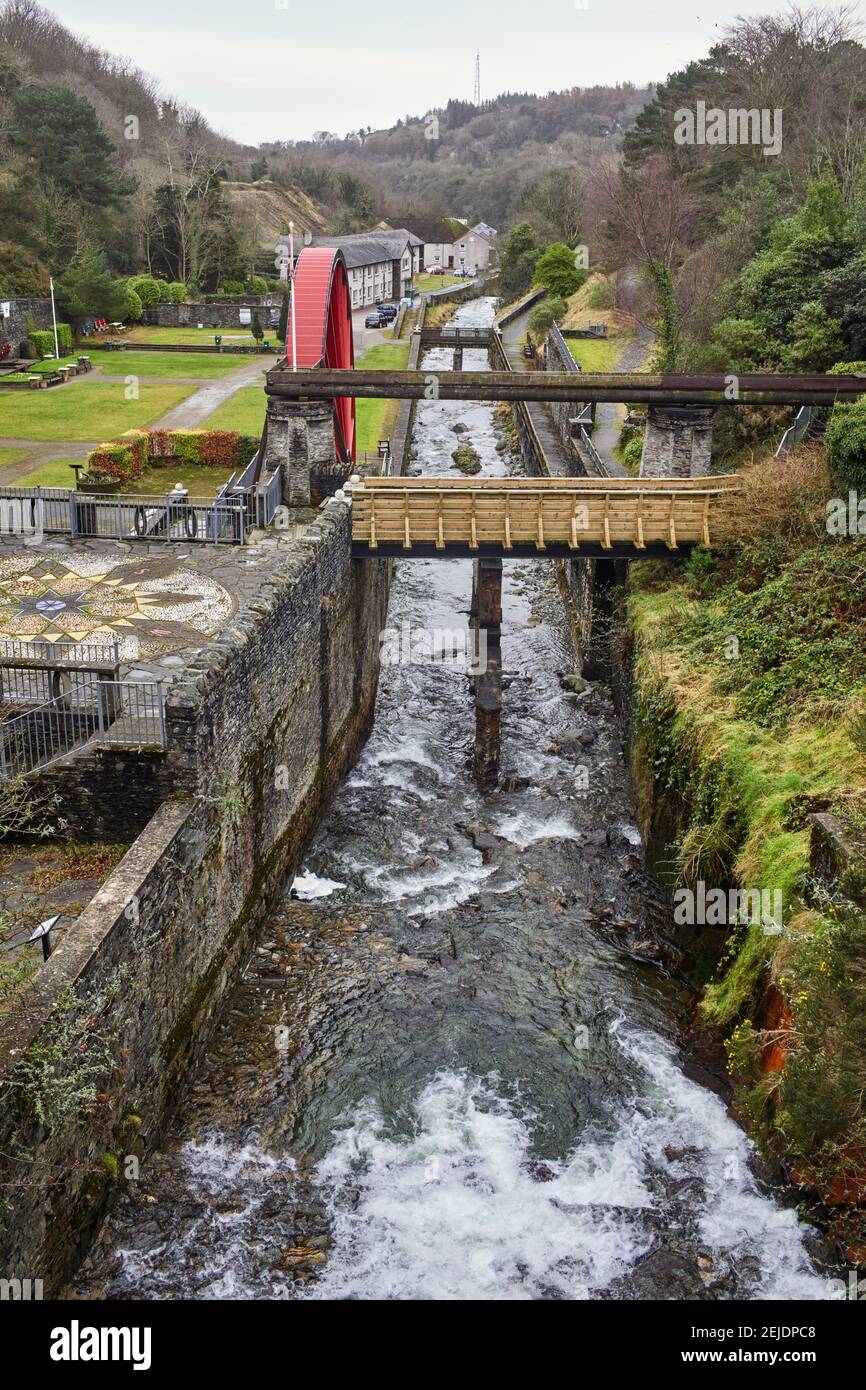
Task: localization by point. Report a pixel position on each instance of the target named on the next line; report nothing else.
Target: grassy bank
(750, 714)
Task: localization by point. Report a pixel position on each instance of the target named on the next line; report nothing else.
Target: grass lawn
(244, 412)
(57, 473)
(200, 481)
(85, 410)
(232, 337)
(422, 283)
(375, 419)
(598, 354)
(196, 364)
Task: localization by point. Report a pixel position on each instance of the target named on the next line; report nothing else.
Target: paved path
(194, 411)
(558, 460)
(609, 414)
(37, 452)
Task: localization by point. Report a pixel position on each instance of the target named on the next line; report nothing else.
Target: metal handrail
(128, 714)
(794, 433)
(13, 649)
(556, 334)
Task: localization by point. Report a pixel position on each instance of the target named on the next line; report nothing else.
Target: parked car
(387, 311)
(375, 320)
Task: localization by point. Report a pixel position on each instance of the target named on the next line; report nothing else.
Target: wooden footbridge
(551, 518)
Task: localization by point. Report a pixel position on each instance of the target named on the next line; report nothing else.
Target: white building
(380, 264)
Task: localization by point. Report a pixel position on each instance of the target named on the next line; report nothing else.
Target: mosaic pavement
(149, 605)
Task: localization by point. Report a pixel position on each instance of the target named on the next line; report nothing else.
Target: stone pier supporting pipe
(300, 444)
(678, 442)
(458, 359)
(487, 619)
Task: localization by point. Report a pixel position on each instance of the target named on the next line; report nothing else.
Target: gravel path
(195, 410)
(608, 414)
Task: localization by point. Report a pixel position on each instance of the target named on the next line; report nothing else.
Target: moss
(729, 757)
(466, 459)
(111, 1164)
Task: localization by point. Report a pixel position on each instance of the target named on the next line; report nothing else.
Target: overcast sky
(280, 69)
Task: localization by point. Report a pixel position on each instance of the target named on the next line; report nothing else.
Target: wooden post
(487, 619)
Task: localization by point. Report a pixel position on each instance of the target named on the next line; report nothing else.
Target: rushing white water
(457, 1210)
(450, 1073)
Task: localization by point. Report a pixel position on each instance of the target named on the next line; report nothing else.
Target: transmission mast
(476, 96)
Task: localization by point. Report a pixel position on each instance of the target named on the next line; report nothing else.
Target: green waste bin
(218, 337)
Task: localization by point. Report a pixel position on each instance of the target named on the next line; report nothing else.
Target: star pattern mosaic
(150, 605)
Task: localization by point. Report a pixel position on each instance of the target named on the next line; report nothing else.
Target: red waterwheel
(323, 333)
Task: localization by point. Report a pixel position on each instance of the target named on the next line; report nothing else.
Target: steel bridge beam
(754, 388)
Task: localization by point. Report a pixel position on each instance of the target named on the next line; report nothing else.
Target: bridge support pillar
(677, 442)
(300, 443)
(487, 618)
(458, 359)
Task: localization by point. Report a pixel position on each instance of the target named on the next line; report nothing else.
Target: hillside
(158, 191)
(473, 162)
(269, 209)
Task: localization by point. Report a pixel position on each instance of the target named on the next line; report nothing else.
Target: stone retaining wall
(217, 316)
(262, 729)
(14, 329)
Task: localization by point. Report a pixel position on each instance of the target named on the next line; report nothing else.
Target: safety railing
(585, 443)
(123, 516)
(15, 651)
(795, 433)
(127, 714)
(568, 361)
(266, 499)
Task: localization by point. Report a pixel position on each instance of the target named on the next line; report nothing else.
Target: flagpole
(292, 280)
(54, 318)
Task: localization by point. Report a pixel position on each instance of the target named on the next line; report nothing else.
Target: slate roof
(370, 248)
(431, 230)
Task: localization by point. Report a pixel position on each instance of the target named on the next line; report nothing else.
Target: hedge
(43, 340)
(126, 458)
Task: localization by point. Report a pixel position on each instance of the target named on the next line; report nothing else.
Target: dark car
(388, 311)
(376, 320)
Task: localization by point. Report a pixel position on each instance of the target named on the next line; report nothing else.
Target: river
(457, 1075)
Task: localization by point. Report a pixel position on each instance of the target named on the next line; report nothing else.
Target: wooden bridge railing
(537, 516)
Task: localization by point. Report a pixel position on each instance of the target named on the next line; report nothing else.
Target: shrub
(112, 461)
(233, 287)
(599, 294)
(42, 340)
(126, 458)
(132, 309)
(845, 441)
(258, 284)
(631, 454)
(542, 317)
(177, 292)
(556, 270)
(148, 289)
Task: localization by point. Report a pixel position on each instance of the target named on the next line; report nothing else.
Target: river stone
(575, 682)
